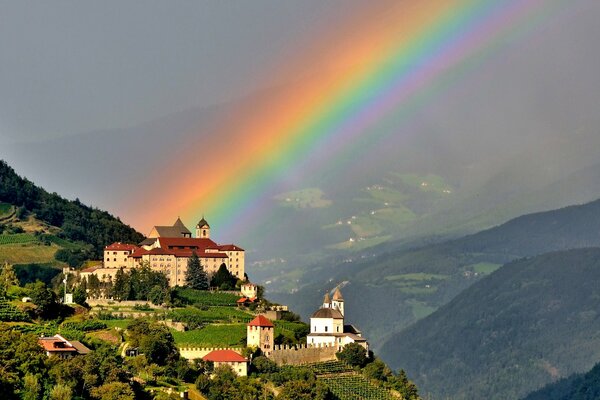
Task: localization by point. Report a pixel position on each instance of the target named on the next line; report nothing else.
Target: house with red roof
(260, 333)
(235, 361)
(58, 346)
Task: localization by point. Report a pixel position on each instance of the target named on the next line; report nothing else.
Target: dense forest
(78, 222)
(530, 322)
(576, 387)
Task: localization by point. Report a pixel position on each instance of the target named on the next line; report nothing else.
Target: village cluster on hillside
(168, 249)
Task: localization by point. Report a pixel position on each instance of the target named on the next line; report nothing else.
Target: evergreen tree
(223, 279)
(8, 277)
(122, 286)
(195, 276)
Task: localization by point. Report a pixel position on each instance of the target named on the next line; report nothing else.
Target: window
(326, 329)
(115, 259)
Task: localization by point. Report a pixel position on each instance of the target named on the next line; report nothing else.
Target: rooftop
(224, 356)
(261, 320)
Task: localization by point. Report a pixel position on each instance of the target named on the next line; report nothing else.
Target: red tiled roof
(229, 247)
(242, 300)
(177, 253)
(261, 320)
(121, 246)
(198, 243)
(224, 356)
(91, 269)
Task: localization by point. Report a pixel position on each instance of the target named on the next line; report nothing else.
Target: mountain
(41, 230)
(575, 387)
(419, 279)
(529, 323)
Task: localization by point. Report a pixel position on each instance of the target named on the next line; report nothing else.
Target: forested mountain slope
(576, 387)
(532, 321)
(77, 221)
(418, 280)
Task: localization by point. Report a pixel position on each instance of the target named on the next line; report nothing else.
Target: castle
(167, 250)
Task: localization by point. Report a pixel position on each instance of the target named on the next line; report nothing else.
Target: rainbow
(384, 61)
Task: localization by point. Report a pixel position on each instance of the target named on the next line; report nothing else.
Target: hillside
(576, 387)
(416, 281)
(532, 321)
(41, 230)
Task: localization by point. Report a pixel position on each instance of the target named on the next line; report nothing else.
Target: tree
(8, 277)
(43, 298)
(31, 387)
(94, 286)
(61, 392)
(304, 390)
(353, 354)
(195, 276)
(223, 279)
(79, 295)
(122, 285)
(113, 391)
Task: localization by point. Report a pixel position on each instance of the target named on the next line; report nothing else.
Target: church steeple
(338, 301)
(326, 301)
(203, 229)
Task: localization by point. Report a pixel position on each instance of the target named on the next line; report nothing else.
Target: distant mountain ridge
(532, 321)
(418, 280)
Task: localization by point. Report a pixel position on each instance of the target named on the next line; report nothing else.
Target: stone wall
(302, 354)
(192, 353)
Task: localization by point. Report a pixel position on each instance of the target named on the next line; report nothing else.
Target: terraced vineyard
(352, 386)
(347, 384)
(17, 238)
(10, 313)
(330, 367)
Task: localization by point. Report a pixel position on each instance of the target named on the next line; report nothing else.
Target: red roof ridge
(261, 320)
(224, 356)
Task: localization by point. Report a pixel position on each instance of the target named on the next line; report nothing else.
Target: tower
(203, 229)
(338, 301)
(260, 334)
(326, 301)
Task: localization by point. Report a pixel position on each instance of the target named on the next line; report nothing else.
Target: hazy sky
(70, 66)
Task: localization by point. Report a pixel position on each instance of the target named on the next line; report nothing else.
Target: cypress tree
(195, 276)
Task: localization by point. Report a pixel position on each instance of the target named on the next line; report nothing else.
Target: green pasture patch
(304, 198)
(484, 268)
(217, 335)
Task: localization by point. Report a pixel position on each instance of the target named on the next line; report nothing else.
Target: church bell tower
(203, 229)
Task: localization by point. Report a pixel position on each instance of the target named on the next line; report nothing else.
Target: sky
(70, 67)
(172, 104)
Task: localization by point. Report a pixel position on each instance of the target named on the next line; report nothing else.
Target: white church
(327, 326)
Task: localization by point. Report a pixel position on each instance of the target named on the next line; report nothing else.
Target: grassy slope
(523, 326)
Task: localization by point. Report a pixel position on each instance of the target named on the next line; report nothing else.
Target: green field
(418, 276)
(202, 297)
(305, 198)
(420, 309)
(426, 183)
(484, 268)
(17, 238)
(28, 253)
(5, 209)
(193, 315)
(212, 335)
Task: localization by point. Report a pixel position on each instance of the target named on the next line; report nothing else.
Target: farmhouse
(238, 364)
(58, 346)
